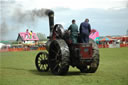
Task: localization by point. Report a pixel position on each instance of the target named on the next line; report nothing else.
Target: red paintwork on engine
(85, 50)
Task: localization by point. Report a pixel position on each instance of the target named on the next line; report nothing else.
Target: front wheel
(41, 62)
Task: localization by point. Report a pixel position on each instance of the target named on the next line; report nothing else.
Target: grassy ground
(18, 68)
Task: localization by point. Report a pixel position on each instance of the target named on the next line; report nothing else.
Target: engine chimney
(51, 19)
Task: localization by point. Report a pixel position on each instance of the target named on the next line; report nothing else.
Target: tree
(41, 36)
(14, 42)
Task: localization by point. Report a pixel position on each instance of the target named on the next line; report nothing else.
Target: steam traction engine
(62, 52)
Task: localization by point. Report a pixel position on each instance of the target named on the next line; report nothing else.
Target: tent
(1, 45)
(106, 39)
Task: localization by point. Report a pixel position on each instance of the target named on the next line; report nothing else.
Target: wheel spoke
(58, 54)
(43, 67)
(39, 64)
(53, 51)
(56, 46)
(55, 67)
(40, 58)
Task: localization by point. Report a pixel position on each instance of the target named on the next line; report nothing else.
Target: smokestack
(50, 14)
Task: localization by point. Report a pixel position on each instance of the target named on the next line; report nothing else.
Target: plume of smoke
(126, 3)
(23, 16)
(4, 28)
(12, 12)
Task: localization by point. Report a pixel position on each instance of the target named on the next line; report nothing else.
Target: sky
(109, 17)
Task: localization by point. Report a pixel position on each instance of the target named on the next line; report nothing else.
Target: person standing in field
(73, 31)
(85, 29)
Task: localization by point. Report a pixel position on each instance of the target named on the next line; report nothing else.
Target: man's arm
(80, 28)
(89, 28)
(69, 27)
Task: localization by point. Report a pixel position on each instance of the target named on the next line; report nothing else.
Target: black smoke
(13, 12)
(23, 16)
(126, 3)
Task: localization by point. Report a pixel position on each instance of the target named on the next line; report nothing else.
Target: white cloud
(73, 4)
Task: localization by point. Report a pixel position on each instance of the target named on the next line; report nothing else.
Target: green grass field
(18, 68)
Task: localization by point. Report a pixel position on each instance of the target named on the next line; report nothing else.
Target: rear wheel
(95, 63)
(59, 57)
(41, 62)
(91, 68)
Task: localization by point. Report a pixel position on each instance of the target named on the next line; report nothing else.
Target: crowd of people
(84, 29)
